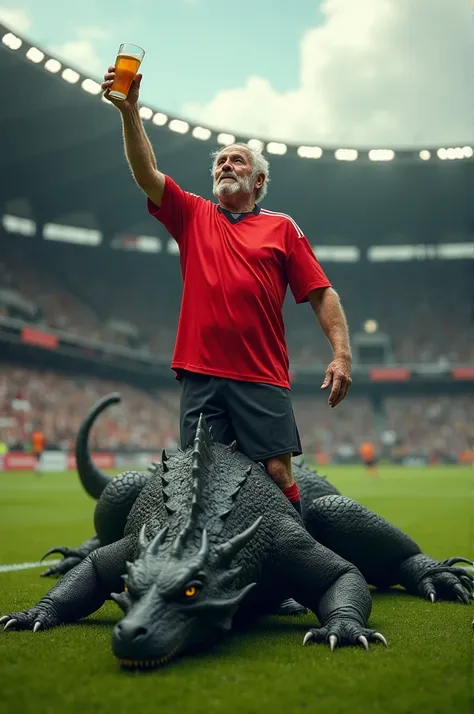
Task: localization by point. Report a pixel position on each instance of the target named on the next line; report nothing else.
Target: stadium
(90, 291)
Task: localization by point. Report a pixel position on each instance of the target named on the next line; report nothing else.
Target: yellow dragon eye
(191, 591)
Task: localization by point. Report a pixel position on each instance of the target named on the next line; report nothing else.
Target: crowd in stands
(56, 405)
(427, 313)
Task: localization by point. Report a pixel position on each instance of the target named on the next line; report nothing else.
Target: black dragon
(205, 539)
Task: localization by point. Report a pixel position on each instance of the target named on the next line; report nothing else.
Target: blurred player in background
(37, 442)
(367, 454)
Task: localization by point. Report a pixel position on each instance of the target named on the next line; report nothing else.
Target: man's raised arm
(137, 145)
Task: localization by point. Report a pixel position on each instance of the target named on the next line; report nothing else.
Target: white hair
(260, 166)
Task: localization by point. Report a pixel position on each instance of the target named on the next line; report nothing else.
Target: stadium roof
(62, 161)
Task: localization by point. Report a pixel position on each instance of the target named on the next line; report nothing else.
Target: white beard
(229, 188)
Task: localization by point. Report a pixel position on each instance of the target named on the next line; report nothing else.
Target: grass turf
(427, 667)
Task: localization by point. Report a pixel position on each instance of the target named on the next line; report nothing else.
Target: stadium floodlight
(346, 154)
(381, 155)
(52, 65)
(90, 86)
(455, 251)
(179, 126)
(12, 41)
(172, 247)
(225, 139)
(442, 154)
(467, 151)
(148, 244)
(71, 234)
(371, 326)
(160, 119)
(145, 112)
(70, 75)
(275, 147)
(425, 155)
(15, 224)
(337, 253)
(309, 152)
(35, 55)
(199, 132)
(255, 144)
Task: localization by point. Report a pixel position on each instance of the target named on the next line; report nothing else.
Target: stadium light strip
(91, 86)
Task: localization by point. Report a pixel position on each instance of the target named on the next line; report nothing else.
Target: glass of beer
(129, 58)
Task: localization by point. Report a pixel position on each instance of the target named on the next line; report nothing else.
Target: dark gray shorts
(258, 416)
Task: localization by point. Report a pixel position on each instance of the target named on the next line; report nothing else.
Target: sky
(373, 73)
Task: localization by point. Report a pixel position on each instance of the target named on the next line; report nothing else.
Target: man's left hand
(339, 374)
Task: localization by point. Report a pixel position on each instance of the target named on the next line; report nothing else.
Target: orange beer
(129, 58)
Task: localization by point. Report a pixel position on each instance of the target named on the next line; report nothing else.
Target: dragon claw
(432, 597)
(4, 619)
(343, 633)
(380, 638)
(37, 626)
(12, 622)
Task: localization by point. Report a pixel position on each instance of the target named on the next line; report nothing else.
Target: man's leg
(265, 427)
(279, 468)
(202, 394)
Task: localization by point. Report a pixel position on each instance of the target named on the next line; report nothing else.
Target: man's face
(233, 172)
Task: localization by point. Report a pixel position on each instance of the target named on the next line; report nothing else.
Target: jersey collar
(237, 217)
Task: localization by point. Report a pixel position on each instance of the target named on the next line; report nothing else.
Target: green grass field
(427, 667)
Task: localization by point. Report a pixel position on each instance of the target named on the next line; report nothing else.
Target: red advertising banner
(39, 338)
(463, 373)
(19, 461)
(390, 374)
(102, 461)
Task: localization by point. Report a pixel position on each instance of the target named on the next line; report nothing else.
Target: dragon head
(181, 591)
(176, 601)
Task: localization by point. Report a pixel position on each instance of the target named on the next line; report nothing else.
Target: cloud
(375, 72)
(82, 51)
(16, 20)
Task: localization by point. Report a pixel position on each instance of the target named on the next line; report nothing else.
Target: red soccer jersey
(236, 270)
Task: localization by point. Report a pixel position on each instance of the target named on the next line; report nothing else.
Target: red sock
(292, 493)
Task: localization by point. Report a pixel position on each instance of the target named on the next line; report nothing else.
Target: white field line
(27, 566)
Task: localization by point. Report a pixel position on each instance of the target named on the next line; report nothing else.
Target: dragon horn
(203, 553)
(229, 550)
(157, 541)
(142, 539)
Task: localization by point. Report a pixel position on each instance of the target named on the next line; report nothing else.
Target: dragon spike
(233, 447)
(227, 551)
(154, 546)
(151, 469)
(201, 461)
(164, 456)
(165, 466)
(142, 539)
(203, 552)
(178, 545)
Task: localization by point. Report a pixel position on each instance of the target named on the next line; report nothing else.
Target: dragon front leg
(72, 556)
(329, 586)
(82, 591)
(383, 553)
(110, 517)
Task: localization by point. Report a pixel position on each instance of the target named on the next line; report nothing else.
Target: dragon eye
(191, 591)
